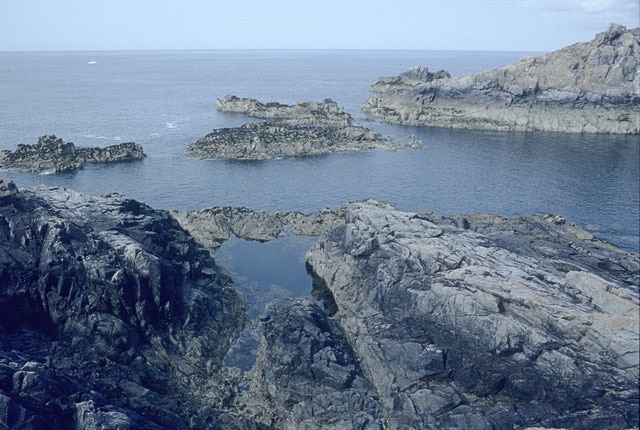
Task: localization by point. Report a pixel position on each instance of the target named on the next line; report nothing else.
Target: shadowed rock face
(52, 155)
(110, 315)
(463, 330)
(589, 87)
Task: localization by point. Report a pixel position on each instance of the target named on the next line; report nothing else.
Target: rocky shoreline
(588, 87)
(113, 316)
(52, 155)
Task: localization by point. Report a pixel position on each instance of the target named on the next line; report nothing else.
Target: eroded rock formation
(264, 140)
(456, 329)
(308, 113)
(591, 87)
(111, 316)
(53, 155)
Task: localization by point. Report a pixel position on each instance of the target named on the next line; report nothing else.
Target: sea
(165, 100)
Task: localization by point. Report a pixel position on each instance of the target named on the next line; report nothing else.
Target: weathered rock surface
(212, 226)
(52, 155)
(589, 87)
(111, 316)
(264, 140)
(457, 329)
(307, 113)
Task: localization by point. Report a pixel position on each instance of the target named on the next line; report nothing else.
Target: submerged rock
(591, 87)
(53, 155)
(307, 113)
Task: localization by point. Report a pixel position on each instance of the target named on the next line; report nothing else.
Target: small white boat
(92, 62)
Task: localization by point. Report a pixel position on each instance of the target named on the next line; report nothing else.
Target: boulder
(591, 87)
(52, 155)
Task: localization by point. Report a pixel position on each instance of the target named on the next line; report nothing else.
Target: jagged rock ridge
(591, 87)
(308, 113)
(53, 155)
(111, 316)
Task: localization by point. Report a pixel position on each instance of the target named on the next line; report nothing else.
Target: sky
(502, 25)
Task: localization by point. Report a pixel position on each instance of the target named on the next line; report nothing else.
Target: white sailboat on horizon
(93, 60)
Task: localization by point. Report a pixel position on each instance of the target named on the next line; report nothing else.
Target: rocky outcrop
(52, 155)
(264, 140)
(591, 87)
(307, 113)
(111, 316)
(212, 226)
(458, 329)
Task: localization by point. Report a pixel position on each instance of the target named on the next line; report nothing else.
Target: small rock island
(52, 155)
(307, 128)
(591, 87)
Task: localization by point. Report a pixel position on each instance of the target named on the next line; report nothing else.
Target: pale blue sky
(94, 25)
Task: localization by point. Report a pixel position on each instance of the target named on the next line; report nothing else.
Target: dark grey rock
(264, 140)
(586, 87)
(111, 316)
(52, 155)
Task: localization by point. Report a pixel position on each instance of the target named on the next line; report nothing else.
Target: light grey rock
(212, 226)
(591, 87)
(453, 327)
(307, 113)
(52, 155)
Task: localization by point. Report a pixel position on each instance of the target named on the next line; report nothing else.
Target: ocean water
(165, 100)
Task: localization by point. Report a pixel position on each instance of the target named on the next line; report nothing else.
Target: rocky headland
(112, 315)
(311, 113)
(591, 87)
(52, 155)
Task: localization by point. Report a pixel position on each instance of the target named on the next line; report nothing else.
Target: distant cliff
(591, 87)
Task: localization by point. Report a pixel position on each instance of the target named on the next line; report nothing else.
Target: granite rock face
(264, 140)
(53, 155)
(458, 329)
(111, 316)
(591, 87)
(307, 113)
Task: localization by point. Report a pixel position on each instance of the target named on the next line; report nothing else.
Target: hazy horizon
(464, 25)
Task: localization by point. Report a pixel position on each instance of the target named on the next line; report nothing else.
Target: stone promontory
(326, 112)
(591, 87)
(52, 155)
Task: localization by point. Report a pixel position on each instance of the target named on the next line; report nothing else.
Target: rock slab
(458, 329)
(591, 87)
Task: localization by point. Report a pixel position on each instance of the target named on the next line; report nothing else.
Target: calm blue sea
(165, 100)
